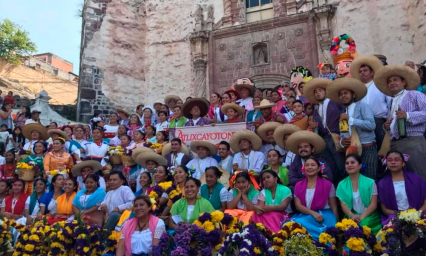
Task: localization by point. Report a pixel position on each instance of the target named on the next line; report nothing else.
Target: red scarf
(233, 121)
(19, 206)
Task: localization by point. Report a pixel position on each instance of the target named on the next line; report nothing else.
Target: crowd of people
(347, 144)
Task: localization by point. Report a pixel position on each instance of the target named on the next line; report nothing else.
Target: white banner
(213, 134)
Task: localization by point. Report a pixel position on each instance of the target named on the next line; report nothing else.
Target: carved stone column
(199, 48)
(227, 15)
(291, 6)
(322, 17)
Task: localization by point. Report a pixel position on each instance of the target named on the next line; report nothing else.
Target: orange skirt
(242, 215)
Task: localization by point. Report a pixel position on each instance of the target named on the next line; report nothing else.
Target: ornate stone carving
(222, 47)
(300, 55)
(281, 36)
(290, 45)
(200, 66)
(198, 14)
(231, 55)
(298, 32)
(283, 58)
(260, 54)
(239, 65)
(239, 44)
(222, 69)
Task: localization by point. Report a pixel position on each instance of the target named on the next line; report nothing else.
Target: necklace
(141, 227)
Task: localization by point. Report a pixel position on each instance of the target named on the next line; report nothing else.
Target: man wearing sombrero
(267, 114)
(349, 92)
(233, 112)
(266, 133)
(400, 82)
(171, 101)
(195, 110)
(326, 120)
(124, 116)
(281, 135)
(33, 133)
(205, 150)
(84, 168)
(305, 144)
(245, 88)
(175, 154)
(363, 68)
(246, 145)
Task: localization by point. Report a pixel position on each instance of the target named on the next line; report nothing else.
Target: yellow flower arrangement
(325, 238)
(345, 224)
(410, 216)
(155, 145)
(356, 244)
(208, 226)
(257, 251)
(54, 172)
(23, 165)
(165, 185)
(118, 151)
(298, 231)
(366, 230)
(217, 216)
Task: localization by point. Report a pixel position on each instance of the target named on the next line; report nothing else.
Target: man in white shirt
(363, 68)
(266, 132)
(175, 154)
(35, 117)
(225, 159)
(280, 136)
(205, 150)
(246, 145)
(245, 88)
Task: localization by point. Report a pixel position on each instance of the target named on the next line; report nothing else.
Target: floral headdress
(406, 158)
(338, 52)
(307, 74)
(322, 168)
(251, 177)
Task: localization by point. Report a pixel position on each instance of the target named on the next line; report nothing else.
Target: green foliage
(300, 244)
(14, 42)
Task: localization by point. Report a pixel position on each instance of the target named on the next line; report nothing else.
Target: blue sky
(53, 25)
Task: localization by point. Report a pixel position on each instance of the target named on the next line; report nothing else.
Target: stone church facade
(139, 51)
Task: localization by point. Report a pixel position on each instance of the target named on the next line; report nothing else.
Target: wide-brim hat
(312, 138)
(282, 131)
(137, 151)
(210, 146)
(168, 149)
(29, 128)
(255, 140)
(150, 156)
(244, 83)
(236, 107)
(346, 83)
(122, 110)
(370, 60)
(408, 74)
(59, 132)
(265, 128)
(224, 178)
(309, 88)
(265, 104)
(95, 165)
(189, 104)
(171, 97)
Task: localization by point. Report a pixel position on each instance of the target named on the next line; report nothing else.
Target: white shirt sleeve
(128, 197)
(223, 195)
(27, 203)
(260, 159)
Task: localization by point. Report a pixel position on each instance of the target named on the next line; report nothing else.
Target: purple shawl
(322, 191)
(415, 187)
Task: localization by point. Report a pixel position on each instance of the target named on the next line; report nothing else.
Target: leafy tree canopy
(14, 42)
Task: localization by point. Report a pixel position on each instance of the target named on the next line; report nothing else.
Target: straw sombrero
(150, 156)
(168, 149)
(210, 146)
(265, 104)
(408, 74)
(171, 97)
(224, 178)
(265, 128)
(309, 88)
(312, 138)
(200, 102)
(29, 128)
(95, 165)
(122, 110)
(346, 83)
(139, 150)
(236, 107)
(255, 140)
(59, 132)
(370, 60)
(243, 83)
(282, 131)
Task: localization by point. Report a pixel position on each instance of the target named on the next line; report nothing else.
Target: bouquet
(115, 151)
(6, 241)
(288, 230)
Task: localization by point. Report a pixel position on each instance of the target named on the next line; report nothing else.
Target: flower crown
(61, 138)
(335, 48)
(251, 177)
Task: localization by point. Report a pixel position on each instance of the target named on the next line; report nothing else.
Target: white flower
(245, 250)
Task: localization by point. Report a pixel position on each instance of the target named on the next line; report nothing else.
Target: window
(258, 10)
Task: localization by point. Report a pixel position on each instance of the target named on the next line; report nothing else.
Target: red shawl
(19, 206)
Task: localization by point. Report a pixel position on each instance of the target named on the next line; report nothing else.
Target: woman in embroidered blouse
(150, 134)
(68, 130)
(79, 140)
(138, 138)
(358, 195)
(143, 231)
(162, 139)
(37, 158)
(188, 209)
(122, 130)
(180, 175)
(162, 124)
(13, 205)
(273, 204)
(58, 159)
(145, 181)
(315, 199)
(213, 190)
(64, 203)
(88, 200)
(148, 117)
(97, 149)
(243, 196)
(9, 167)
(400, 189)
(214, 108)
(255, 113)
(48, 200)
(32, 205)
(274, 163)
(134, 124)
(113, 125)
